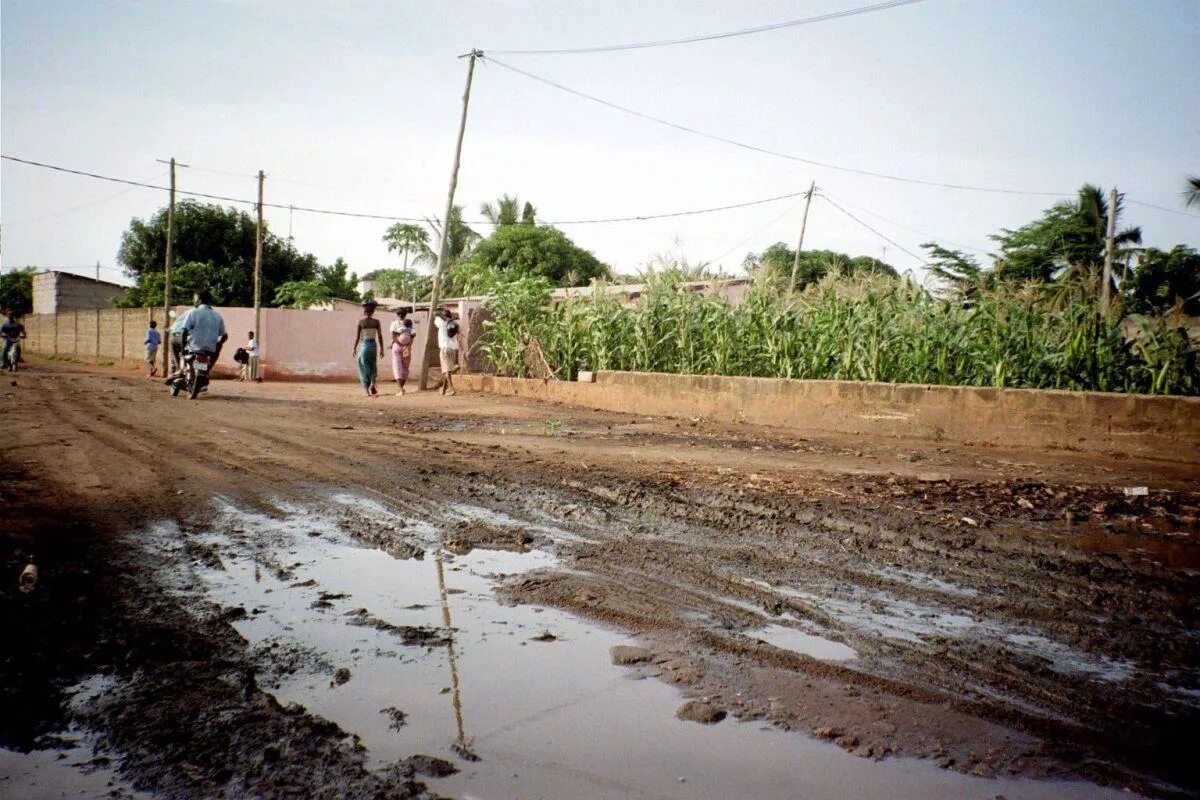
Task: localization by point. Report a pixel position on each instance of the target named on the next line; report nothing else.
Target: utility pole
(170, 260)
(258, 237)
(436, 292)
(1109, 252)
(800, 244)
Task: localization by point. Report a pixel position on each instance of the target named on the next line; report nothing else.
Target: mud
(276, 610)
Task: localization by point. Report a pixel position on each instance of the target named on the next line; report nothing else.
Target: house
(55, 291)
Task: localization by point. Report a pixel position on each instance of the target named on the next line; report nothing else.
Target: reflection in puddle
(548, 716)
(787, 638)
(882, 614)
(73, 767)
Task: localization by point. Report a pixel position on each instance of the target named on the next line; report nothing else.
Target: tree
(402, 283)
(16, 291)
(1067, 243)
(1163, 280)
(214, 250)
(961, 275)
(335, 279)
(776, 263)
(506, 211)
(302, 294)
(460, 240)
(1191, 192)
(516, 251)
(405, 237)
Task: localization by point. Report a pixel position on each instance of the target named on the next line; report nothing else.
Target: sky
(354, 106)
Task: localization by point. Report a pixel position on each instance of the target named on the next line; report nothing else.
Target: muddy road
(290, 591)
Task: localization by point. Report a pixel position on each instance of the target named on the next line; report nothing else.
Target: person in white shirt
(447, 328)
(250, 370)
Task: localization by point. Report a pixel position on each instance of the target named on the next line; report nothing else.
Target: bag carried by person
(241, 356)
(452, 328)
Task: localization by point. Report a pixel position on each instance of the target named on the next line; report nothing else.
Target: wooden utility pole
(1109, 252)
(165, 332)
(800, 244)
(258, 237)
(435, 295)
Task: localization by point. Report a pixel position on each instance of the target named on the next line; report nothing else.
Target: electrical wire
(286, 206)
(765, 151)
(1164, 208)
(852, 12)
(758, 232)
(905, 227)
(892, 242)
(71, 209)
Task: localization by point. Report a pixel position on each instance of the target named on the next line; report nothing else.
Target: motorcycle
(12, 356)
(193, 373)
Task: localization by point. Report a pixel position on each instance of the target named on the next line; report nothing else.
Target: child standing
(153, 342)
(251, 368)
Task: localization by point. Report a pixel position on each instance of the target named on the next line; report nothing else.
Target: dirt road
(1002, 615)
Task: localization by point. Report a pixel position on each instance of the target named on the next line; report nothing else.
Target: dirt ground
(1010, 612)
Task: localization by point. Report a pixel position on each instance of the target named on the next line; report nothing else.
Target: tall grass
(869, 328)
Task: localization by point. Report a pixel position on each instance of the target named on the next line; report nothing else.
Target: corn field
(868, 329)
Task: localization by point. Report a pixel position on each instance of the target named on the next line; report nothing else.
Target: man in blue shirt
(203, 328)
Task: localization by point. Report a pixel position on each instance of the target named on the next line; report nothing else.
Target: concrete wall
(112, 334)
(1150, 426)
(293, 344)
(55, 292)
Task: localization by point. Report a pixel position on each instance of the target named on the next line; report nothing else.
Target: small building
(55, 291)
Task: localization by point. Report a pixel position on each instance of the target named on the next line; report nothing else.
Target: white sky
(354, 106)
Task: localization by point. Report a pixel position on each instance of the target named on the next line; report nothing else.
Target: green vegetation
(214, 250)
(873, 328)
(331, 283)
(1031, 319)
(16, 291)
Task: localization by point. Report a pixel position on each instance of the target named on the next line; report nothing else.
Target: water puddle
(798, 641)
(416, 655)
(882, 614)
(71, 766)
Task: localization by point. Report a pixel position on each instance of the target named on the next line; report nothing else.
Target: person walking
(368, 346)
(402, 340)
(447, 328)
(153, 342)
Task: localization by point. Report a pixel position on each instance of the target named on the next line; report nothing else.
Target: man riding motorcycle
(13, 332)
(203, 330)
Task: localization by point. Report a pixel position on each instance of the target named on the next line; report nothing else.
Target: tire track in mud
(668, 551)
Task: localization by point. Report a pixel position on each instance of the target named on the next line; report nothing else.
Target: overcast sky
(354, 106)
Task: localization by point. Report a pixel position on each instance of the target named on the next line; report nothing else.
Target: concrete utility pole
(800, 244)
(258, 237)
(436, 293)
(1109, 252)
(170, 260)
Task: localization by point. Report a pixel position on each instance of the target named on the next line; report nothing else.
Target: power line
(853, 12)
(1164, 208)
(763, 150)
(905, 227)
(759, 231)
(872, 230)
(286, 206)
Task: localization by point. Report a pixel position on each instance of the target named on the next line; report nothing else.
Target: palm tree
(461, 239)
(506, 211)
(1191, 192)
(405, 237)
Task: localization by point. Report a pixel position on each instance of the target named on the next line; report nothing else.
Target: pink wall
(318, 345)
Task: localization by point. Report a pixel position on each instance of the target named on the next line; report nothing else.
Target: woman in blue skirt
(368, 347)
